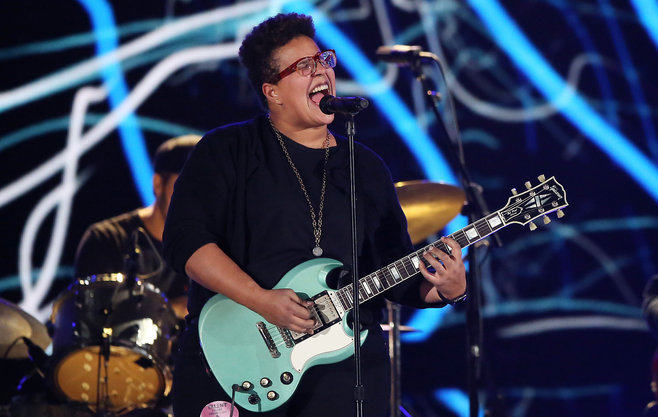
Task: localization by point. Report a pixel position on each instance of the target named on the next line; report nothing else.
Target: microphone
(405, 54)
(345, 105)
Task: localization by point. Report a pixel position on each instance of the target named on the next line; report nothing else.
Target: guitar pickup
(267, 338)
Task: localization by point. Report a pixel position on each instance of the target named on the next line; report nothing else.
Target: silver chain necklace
(316, 220)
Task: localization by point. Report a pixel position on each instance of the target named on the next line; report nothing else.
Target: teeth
(320, 88)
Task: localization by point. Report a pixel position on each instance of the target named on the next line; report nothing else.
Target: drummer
(131, 243)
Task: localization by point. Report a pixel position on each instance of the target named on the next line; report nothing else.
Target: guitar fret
(460, 237)
(415, 261)
(386, 274)
(381, 276)
(494, 221)
(395, 273)
(341, 299)
(483, 228)
(366, 288)
(347, 300)
(349, 297)
(377, 282)
(399, 266)
(472, 234)
(372, 285)
(408, 268)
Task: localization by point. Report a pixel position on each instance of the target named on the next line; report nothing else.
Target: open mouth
(318, 92)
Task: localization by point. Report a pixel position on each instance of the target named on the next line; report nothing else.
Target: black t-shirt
(107, 246)
(238, 190)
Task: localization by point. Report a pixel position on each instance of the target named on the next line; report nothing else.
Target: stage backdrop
(89, 88)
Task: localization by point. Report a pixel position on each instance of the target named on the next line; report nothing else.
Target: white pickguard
(331, 339)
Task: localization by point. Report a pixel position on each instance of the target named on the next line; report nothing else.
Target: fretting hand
(449, 276)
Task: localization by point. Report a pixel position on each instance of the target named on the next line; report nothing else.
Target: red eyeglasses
(307, 65)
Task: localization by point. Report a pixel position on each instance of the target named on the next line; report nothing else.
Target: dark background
(563, 331)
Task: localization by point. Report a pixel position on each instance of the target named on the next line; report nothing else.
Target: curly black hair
(258, 46)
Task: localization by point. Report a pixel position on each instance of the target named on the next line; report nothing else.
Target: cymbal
(15, 324)
(429, 206)
(403, 328)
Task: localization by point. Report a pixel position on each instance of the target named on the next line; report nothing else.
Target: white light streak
(572, 323)
(151, 40)
(77, 145)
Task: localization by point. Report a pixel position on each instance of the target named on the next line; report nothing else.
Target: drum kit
(112, 339)
(111, 350)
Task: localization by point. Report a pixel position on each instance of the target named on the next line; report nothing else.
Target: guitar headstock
(546, 197)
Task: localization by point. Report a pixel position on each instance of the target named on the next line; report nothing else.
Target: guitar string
(275, 333)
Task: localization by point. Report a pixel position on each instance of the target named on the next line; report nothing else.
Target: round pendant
(317, 251)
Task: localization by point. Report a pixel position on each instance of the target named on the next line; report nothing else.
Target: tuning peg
(560, 213)
(528, 185)
(547, 220)
(514, 192)
(541, 178)
(532, 226)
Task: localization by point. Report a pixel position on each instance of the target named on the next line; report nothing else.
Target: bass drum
(112, 344)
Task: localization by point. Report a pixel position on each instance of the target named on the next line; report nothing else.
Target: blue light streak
(132, 140)
(647, 12)
(632, 78)
(509, 37)
(456, 400)
(589, 45)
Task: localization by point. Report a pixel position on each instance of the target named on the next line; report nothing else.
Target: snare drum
(112, 343)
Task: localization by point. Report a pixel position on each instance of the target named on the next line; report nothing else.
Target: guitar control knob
(253, 399)
(265, 382)
(272, 395)
(286, 378)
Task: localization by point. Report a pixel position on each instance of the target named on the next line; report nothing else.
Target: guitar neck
(523, 208)
(408, 266)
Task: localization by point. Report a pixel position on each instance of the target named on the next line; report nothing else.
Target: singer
(260, 197)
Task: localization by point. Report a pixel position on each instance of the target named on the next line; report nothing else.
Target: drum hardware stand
(394, 355)
(103, 400)
(451, 148)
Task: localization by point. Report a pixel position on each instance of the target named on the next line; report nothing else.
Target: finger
(440, 256)
(304, 326)
(294, 297)
(433, 257)
(427, 274)
(455, 248)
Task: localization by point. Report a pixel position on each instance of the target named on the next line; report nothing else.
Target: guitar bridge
(287, 337)
(267, 337)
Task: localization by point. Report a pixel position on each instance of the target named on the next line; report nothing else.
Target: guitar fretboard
(408, 266)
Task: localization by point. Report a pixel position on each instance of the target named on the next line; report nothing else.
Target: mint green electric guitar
(262, 364)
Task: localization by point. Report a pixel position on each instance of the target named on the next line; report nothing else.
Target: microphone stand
(476, 209)
(356, 317)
